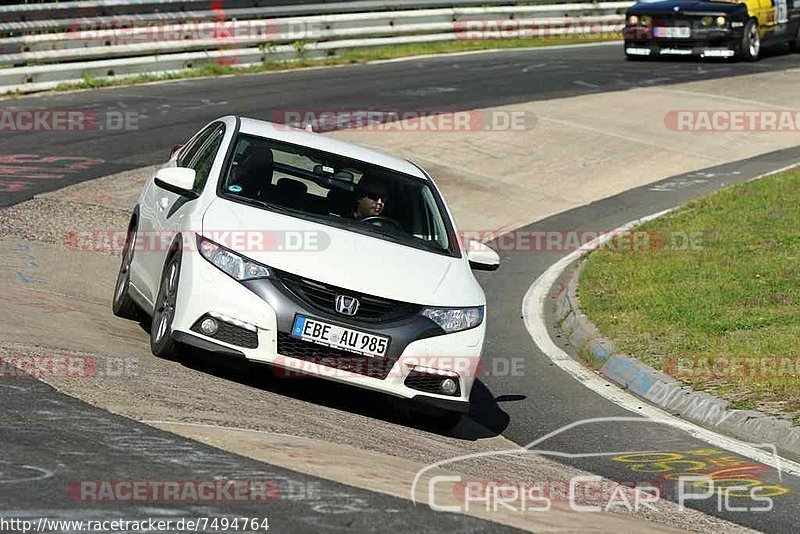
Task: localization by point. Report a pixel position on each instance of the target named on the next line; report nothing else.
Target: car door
(163, 211)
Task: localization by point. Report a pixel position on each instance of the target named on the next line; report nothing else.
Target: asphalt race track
(169, 113)
(540, 400)
(55, 442)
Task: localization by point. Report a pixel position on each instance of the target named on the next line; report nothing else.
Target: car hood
(342, 258)
(685, 6)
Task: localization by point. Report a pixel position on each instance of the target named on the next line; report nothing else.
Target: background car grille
(330, 357)
(323, 297)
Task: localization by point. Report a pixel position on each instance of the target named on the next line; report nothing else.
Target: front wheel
(123, 305)
(161, 342)
(794, 44)
(750, 48)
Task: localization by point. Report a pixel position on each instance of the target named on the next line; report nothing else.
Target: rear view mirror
(178, 180)
(482, 257)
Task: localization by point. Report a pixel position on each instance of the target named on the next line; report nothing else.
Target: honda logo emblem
(346, 305)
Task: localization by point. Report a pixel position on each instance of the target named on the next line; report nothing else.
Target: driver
(371, 199)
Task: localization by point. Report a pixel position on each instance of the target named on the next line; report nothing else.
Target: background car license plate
(672, 32)
(339, 337)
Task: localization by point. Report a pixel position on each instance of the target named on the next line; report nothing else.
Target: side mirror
(174, 150)
(482, 257)
(178, 180)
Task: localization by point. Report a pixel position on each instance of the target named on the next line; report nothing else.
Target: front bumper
(704, 43)
(267, 309)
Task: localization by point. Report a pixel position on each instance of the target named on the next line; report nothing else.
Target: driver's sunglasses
(375, 196)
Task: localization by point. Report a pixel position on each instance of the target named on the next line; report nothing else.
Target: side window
(204, 159)
(190, 150)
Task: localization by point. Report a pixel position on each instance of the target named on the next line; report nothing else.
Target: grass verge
(348, 57)
(713, 298)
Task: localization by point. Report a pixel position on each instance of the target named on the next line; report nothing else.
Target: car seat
(292, 194)
(254, 175)
(341, 202)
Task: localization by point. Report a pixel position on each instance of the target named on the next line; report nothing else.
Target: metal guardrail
(101, 8)
(118, 52)
(16, 20)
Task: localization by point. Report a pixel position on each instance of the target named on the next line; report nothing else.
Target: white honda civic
(318, 257)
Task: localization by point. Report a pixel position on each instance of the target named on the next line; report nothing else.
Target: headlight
(706, 21)
(721, 21)
(646, 21)
(231, 263)
(633, 19)
(455, 319)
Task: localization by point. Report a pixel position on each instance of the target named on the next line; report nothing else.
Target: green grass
(348, 57)
(734, 294)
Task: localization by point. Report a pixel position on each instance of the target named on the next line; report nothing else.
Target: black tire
(794, 44)
(161, 342)
(123, 305)
(750, 48)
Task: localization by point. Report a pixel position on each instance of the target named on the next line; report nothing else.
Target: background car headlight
(646, 21)
(231, 263)
(633, 19)
(706, 21)
(455, 319)
(721, 21)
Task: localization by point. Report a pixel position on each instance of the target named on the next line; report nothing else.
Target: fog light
(209, 326)
(449, 386)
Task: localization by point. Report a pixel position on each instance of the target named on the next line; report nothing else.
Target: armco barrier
(40, 62)
(57, 11)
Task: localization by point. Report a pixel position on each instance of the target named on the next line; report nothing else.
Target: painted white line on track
(533, 312)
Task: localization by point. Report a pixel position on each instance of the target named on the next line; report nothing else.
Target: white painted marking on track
(718, 97)
(529, 68)
(629, 138)
(533, 312)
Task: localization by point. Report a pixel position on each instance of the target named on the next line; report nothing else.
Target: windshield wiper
(372, 229)
(271, 206)
(405, 239)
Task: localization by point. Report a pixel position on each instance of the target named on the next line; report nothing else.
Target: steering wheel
(383, 220)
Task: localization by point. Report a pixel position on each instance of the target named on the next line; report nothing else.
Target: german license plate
(339, 337)
(672, 32)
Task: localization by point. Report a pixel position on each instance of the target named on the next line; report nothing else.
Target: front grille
(323, 297)
(336, 358)
(670, 22)
(429, 383)
(230, 334)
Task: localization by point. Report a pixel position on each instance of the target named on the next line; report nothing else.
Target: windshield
(338, 191)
